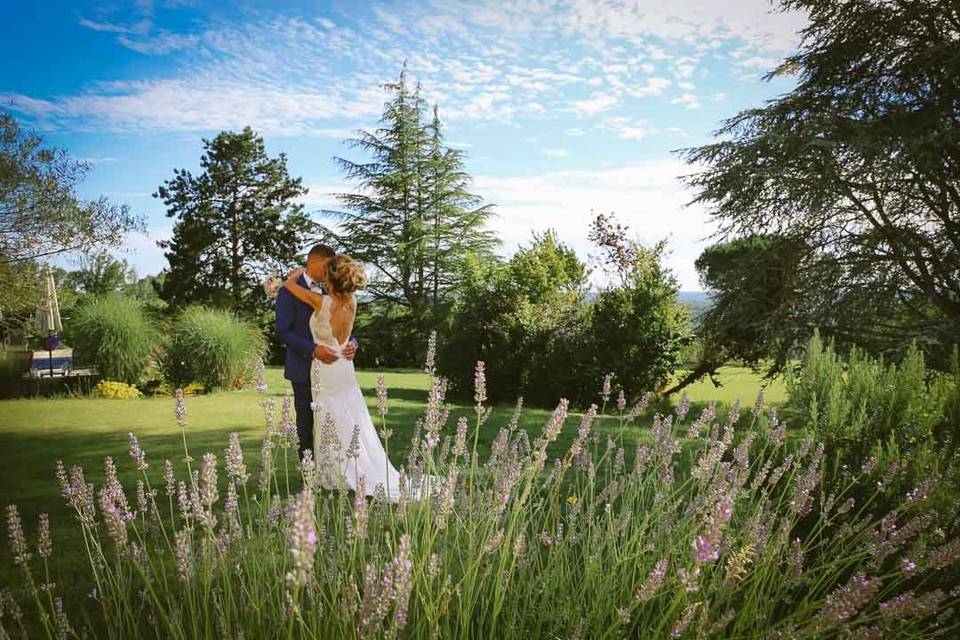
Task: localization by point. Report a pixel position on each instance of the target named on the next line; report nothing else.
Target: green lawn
(36, 433)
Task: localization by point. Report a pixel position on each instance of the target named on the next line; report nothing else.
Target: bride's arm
(301, 293)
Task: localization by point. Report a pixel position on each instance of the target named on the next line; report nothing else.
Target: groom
(293, 328)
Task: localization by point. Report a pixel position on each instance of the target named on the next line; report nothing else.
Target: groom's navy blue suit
(293, 328)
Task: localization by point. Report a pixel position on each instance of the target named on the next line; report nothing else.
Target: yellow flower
(572, 499)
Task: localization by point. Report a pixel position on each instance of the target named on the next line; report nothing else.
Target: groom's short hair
(320, 251)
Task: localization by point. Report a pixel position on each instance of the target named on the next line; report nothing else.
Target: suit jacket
(293, 328)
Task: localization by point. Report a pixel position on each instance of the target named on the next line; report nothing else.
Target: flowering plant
(271, 285)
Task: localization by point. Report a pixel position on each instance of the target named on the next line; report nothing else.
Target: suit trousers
(302, 397)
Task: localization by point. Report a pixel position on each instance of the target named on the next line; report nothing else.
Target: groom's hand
(326, 355)
(349, 350)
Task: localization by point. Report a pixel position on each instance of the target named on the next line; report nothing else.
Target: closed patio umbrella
(48, 314)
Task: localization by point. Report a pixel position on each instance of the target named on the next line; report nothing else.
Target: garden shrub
(114, 389)
(870, 411)
(114, 333)
(211, 347)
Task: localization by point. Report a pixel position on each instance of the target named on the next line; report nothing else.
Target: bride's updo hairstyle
(345, 274)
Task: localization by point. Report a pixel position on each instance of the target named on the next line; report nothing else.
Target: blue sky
(563, 106)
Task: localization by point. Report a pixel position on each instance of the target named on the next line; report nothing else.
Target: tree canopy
(860, 162)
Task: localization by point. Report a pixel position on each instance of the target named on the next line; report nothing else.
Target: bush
(717, 539)
(529, 321)
(114, 333)
(867, 410)
(113, 389)
(212, 347)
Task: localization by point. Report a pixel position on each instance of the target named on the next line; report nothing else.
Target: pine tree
(235, 220)
(411, 219)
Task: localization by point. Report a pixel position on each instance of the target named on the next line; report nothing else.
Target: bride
(340, 415)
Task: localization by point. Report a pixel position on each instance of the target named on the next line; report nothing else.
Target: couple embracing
(315, 310)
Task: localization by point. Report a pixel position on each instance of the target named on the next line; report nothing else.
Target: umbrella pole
(50, 351)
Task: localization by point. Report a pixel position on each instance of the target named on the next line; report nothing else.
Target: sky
(564, 108)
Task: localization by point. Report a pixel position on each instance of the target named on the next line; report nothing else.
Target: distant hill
(698, 301)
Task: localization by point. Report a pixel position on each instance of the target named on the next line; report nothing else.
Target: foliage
(99, 274)
(212, 347)
(863, 408)
(838, 162)
(723, 538)
(114, 389)
(238, 219)
(114, 333)
(412, 220)
(40, 211)
(519, 317)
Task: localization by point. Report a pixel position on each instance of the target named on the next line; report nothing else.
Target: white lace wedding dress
(339, 411)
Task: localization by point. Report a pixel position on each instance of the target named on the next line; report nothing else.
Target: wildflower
(571, 499)
(683, 406)
(183, 554)
(652, 584)
(923, 490)
(758, 405)
(494, 541)
(308, 468)
(689, 579)
(18, 541)
(621, 401)
(360, 513)
(136, 452)
(734, 415)
(381, 395)
(802, 501)
(429, 366)
(944, 555)
(402, 570)
(259, 376)
(460, 441)
(639, 407)
(302, 541)
(208, 480)
(846, 506)
(233, 460)
(909, 605)
(288, 426)
(846, 601)
(64, 630)
(736, 568)
(180, 408)
(519, 543)
(353, 450)
(795, 559)
(778, 432)
(480, 386)
(908, 566)
(169, 478)
(555, 423)
(44, 540)
(607, 380)
(681, 625)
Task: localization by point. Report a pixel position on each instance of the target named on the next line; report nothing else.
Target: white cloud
(652, 87)
(597, 103)
(576, 131)
(688, 100)
(555, 153)
(648, 197)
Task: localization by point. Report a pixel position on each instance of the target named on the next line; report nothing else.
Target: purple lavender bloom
(136, 452)
(18, 541)
(302, 541)
(381, 395)
(180, 408)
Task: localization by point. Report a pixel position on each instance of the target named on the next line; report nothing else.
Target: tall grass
(731, 535)
(212, 347)
(114, 333)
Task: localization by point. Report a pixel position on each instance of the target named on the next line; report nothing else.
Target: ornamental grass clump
(212, 347)
(730, 533)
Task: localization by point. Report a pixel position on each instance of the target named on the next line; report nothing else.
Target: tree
(862, 161)
(637, 327)
(412, 218)
(237, 219)
(101, 273)
(40, 212)
(522, 317)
